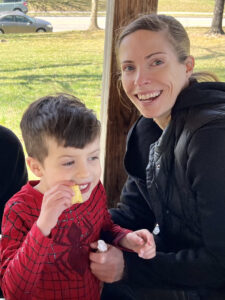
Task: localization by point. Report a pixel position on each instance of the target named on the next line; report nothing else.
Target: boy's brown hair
(62, 117)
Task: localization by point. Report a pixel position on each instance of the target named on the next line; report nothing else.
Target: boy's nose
(82, 171)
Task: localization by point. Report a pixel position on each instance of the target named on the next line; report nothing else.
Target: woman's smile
(148, 97)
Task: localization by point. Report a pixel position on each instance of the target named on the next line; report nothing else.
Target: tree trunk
(115, 117)
(216, 27)
(94, 14)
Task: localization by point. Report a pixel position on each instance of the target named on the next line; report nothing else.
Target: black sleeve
(12, 164)
(133, 211)
(203, 266)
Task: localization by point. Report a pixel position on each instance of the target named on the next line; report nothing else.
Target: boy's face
(81, 166)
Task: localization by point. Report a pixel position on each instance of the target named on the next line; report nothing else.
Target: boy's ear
(35, 166)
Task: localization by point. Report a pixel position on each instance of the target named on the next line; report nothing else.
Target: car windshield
(30, 19)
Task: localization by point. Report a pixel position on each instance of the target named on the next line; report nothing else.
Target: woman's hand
(107, 266)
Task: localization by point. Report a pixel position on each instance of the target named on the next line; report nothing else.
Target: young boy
(45, 237)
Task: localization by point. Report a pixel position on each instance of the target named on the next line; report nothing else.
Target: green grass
(208, 51)
(34, 65)
(38, 64)
(85, 5)
(186, 5)
(65, 5)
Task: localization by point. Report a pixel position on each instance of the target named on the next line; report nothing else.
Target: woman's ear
(35, 166)
(190, 63)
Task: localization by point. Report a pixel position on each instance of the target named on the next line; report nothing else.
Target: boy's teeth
(82, 187)
(147, 96)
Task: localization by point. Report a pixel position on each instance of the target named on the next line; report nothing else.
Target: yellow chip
(77, 198)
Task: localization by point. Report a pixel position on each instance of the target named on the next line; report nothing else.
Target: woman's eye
(127, 68)
(157, 62)
(68, 163)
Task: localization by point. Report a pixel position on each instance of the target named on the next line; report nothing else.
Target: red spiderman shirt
(57, 267)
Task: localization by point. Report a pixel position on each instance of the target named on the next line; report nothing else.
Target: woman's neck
(162, 122)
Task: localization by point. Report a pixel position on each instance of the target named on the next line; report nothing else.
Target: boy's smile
(80, 166)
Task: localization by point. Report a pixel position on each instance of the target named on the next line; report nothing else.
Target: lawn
(38, 64)
(65, 5)
(85, 5)
(186, 5)
(33, 65)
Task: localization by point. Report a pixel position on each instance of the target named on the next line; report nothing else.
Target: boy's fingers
(147, 254)
(141, 241)
(58, 195)
(135, 238)
(60, 188)
(66, 182)
(142, 238)
(146, 236)
(94, 245)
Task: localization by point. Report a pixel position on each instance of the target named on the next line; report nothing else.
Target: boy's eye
(93, 158)
(68, 163)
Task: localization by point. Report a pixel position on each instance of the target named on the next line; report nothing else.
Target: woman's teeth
(149, 96)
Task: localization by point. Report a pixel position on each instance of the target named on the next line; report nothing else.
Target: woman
(176, 170)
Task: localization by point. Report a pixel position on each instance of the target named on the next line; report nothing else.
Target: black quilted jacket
(176, 179)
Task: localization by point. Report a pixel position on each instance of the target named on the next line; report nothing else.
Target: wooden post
(115, 117)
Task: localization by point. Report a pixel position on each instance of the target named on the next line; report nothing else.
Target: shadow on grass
(53, 35)
(23, 80)
(66, 5)
(212, 54)
(81, 63)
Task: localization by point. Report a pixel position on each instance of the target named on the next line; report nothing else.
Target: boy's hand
(140, 241)
(55, 201)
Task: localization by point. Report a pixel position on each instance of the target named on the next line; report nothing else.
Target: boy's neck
(39, 187)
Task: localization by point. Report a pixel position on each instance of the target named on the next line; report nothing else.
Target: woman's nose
(142, 77)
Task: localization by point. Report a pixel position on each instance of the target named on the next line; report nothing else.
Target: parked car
(10, 5)
(18, 22)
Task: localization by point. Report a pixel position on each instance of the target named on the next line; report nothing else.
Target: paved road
(82, 23)
(72, 23)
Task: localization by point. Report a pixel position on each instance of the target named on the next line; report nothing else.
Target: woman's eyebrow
(152, 54)
(146, 57)
(126, 61)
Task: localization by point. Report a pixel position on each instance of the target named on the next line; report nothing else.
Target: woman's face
(151, 74)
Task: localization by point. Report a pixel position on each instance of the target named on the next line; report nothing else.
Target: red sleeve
(115, 231)
(23, 252)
